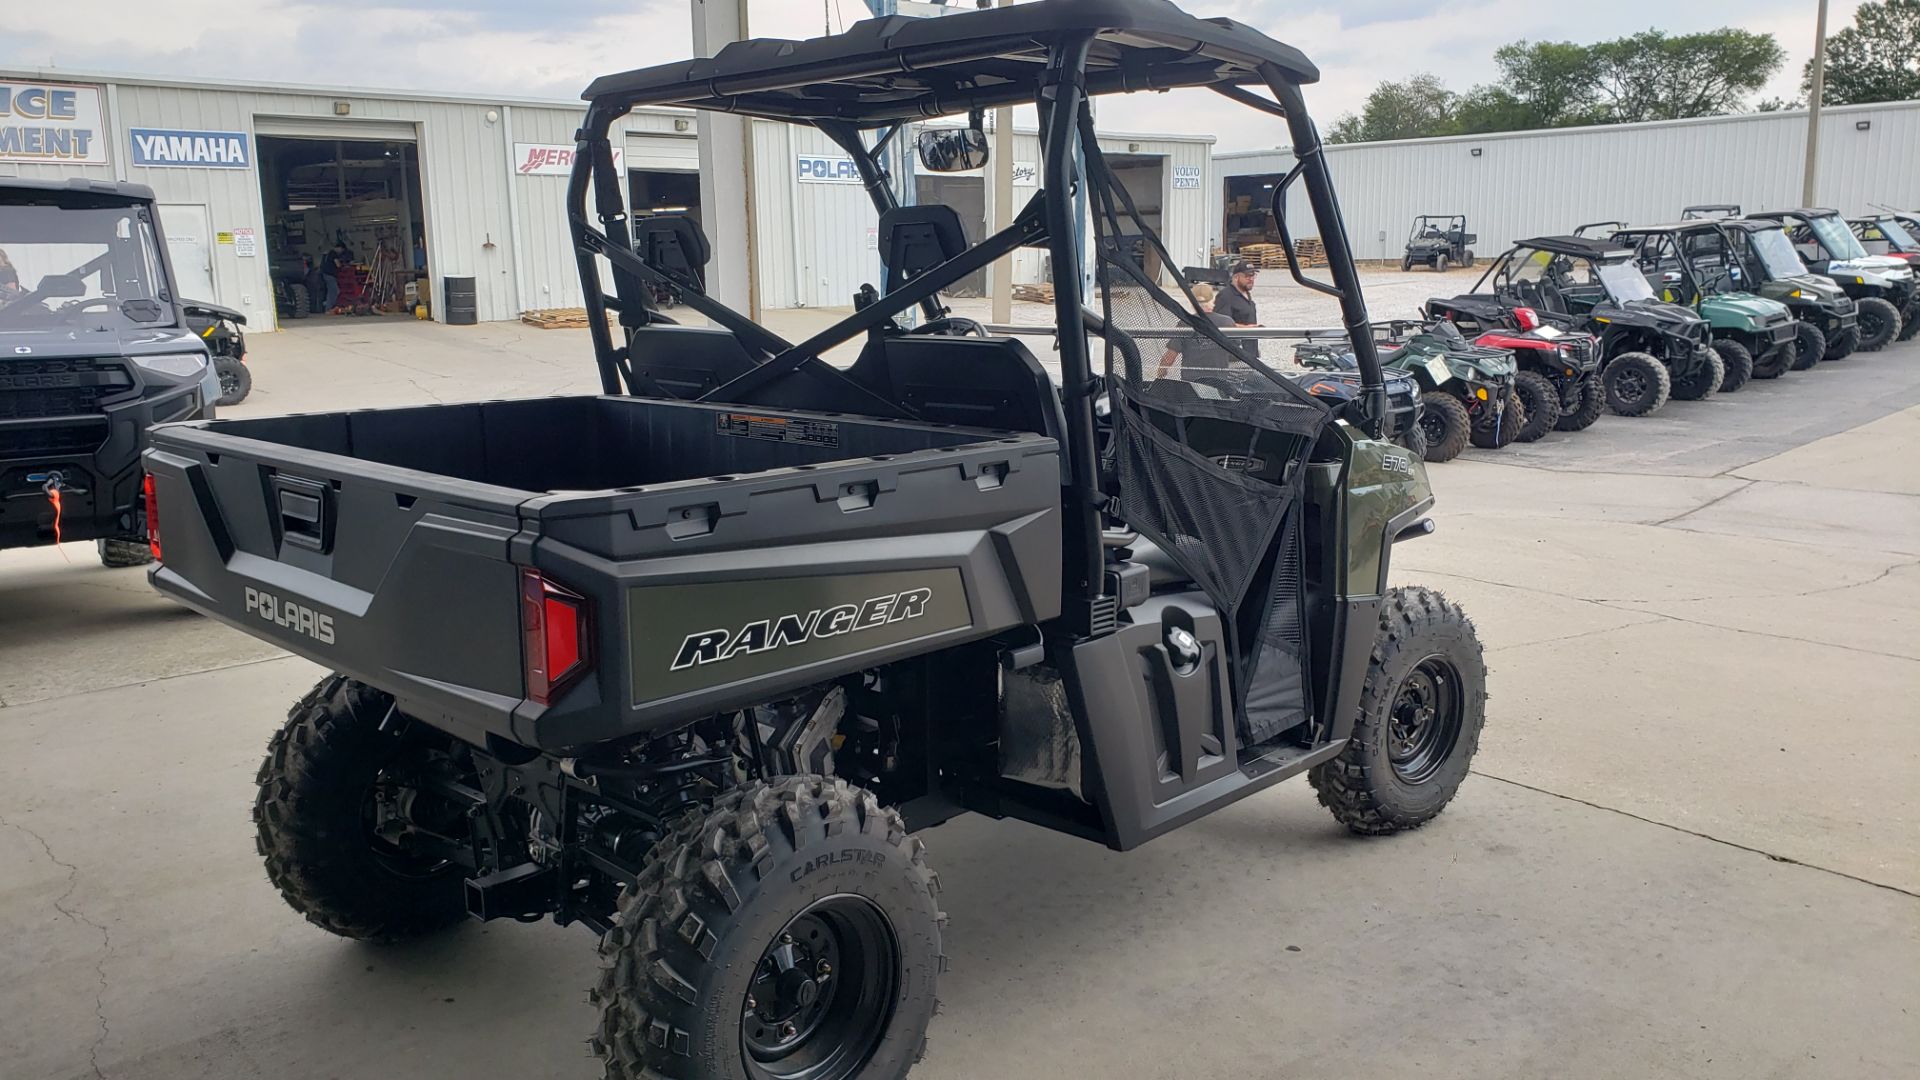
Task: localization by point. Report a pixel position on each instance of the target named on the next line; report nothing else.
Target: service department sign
(55, 123)
(162, 147)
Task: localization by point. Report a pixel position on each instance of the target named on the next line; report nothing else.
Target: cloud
(511, 48)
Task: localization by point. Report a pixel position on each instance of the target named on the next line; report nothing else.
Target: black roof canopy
(881, 71)
(1579, 247)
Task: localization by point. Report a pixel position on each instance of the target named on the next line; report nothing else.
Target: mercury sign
(190, 149)
(825, 169)
(51, 122)
(553, 159)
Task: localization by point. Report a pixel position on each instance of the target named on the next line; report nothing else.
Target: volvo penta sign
(53, 123)
(161, 147)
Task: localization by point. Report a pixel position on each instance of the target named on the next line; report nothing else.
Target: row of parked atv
(1624, 318)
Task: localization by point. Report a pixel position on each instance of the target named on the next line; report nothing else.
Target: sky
(553, 49)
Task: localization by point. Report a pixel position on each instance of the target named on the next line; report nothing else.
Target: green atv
(1467, 393)
(1691, 266)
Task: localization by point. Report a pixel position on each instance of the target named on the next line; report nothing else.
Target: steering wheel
(953, 325)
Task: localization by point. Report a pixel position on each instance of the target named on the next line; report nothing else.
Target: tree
(1875, 59)
(1552, 81)
(1652, 76)
(1420, 107)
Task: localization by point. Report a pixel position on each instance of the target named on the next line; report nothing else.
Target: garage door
(663, 153)
(332, 127)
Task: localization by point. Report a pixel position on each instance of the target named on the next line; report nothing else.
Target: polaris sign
(825, 169)
(160, 147)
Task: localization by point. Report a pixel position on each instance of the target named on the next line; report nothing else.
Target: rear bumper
(97, 457)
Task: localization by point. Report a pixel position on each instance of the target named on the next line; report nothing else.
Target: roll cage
(1703, 268)
(860, 89)
(1551, 289)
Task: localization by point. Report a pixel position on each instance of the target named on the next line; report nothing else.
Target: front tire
(1445, 424)
(1541, 403)
(1736, 362)
(1593, 403)
(1441, 264)
(1812, 345)
(1909, 322)
(1703, 378)
(791, 930)
(1879, 324)
(1406, 264)
(1421, 712)
(120, 554)
(1636, 384)
(1500, 433)
(342, 756)
(236, 382)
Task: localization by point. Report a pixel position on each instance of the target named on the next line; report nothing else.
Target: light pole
(1818, 91)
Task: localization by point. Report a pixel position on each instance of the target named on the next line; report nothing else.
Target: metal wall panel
(1532, 183)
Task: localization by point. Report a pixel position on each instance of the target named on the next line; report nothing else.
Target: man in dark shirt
(1194, 351)
(1236, 300)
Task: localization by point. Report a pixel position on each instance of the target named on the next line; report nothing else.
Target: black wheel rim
(1424, 724)
(1629, 385)
(822, 993)
(229, 384)
(1872, 326)
(1433, 427)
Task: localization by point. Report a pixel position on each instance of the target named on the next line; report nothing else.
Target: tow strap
(50, 484)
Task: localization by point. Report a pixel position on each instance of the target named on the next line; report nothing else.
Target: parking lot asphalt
(1691, 846)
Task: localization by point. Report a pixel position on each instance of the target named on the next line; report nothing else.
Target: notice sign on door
(51, 122)
(161, 147)
(246, 243)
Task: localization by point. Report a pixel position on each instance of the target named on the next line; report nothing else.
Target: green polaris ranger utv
(1690, 265)
(1826, 318)
(689, 662)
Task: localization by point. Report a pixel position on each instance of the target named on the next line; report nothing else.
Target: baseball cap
(1245, 267)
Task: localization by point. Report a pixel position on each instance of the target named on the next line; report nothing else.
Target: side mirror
(60, 285)
(947, 150)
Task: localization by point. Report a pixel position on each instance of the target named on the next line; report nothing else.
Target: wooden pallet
(1034, 294)
(556, 318)
(1274, 256)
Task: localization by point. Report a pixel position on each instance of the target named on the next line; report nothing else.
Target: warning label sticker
(779, 429)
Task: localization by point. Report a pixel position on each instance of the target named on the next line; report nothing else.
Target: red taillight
(556, 629)
(153, 516)
(1526, 317)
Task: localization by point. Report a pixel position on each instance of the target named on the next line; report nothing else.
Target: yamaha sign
(161, 147)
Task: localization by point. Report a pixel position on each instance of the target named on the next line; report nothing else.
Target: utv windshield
(1624, 282)
(1898, 234)
(91, 266)
(1834, 236)
(1777, 254)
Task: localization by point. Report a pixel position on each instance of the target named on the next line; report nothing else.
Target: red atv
(1554, 365)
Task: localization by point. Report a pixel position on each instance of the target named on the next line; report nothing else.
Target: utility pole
(1819, 91)
(726, 170)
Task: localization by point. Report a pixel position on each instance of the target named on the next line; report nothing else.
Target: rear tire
(236, 382)
(302, 301)
(1879, 324)
(1541, 402)
(119, 554)
(1421, 712)
(1593, 402)
(341, 753)
(1702, 378)
(1636, 384)
(1812, 346)
(1468, 261)
(1414, 439)
(1445, 424)
(1500, 434)
(1736, 362)
(745, 901)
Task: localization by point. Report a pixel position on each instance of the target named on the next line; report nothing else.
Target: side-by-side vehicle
(690, 661)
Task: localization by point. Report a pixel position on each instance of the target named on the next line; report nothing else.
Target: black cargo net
(1208, 440)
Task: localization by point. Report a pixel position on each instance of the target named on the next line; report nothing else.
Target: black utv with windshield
(1649, 349)
(1439, 241)
(687, 662)
(1882, 286)
(94, 350)
(1826, 321)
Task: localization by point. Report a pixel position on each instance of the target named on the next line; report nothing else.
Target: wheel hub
(1425, 721)
(822, 993)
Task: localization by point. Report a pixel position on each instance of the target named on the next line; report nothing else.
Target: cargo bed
(391, 545)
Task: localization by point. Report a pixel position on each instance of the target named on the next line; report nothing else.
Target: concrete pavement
(1691, 847)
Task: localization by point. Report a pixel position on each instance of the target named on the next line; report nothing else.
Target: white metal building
(1514, 185)
(249, 175)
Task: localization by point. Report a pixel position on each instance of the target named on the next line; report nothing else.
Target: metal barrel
(462, 307)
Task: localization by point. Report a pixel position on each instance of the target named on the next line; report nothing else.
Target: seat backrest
(969, 381)
(674, 244)
(915, 239)
(687, 361)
